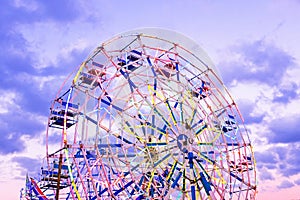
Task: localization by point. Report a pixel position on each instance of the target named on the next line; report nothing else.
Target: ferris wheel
(147, 117)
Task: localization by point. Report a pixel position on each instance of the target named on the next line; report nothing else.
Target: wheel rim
(147, 116)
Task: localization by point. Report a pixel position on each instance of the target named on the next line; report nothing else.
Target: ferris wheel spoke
(142, 124)
(145, 123)
(123, 188)
(153, 122)
(202, 128)
(171, 112)
(126, 76)
(198, 176)
(122, 138)
(162, 117)
(161, 160)
(112, 105)
(152, 144)
(197, 123)
(130, 129)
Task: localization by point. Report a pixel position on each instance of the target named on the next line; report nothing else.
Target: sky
(254, 44)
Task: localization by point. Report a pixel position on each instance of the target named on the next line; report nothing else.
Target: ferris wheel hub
(184, 142)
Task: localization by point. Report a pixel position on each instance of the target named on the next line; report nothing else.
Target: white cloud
(34, 147)
(257, 93)
(28, 5)
(292, 75)
(8, 101)
(52, 42)
(41, 82)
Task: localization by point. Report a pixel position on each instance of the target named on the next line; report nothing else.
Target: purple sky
(254, 45)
